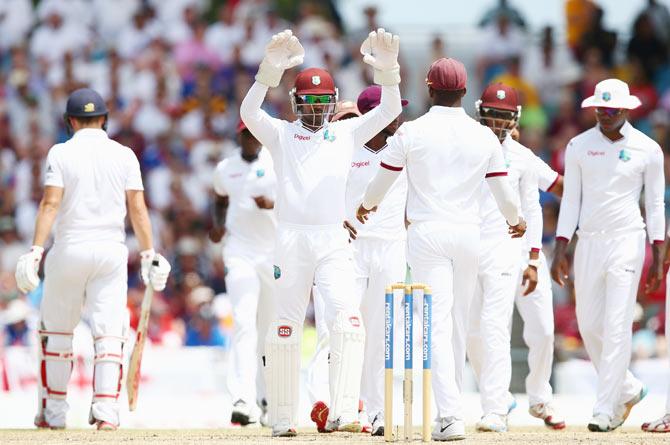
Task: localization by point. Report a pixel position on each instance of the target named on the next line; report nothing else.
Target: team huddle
(341, 203)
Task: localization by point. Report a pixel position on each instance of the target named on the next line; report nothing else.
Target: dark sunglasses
(312, 99)
(610, 112)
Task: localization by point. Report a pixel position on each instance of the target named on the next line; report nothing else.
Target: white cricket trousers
(488, 340)
(445, 256)
(607, 275)
(378, 263)
(93, 276)
(537, 312)
(249, 285)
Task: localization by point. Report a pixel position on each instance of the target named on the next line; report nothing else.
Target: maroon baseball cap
(447, 74)
(314, 81)
(371, 97)
(500, 97)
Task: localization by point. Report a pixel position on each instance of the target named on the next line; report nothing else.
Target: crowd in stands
(173, 73)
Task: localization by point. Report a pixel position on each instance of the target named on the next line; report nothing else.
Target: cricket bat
(133, 378)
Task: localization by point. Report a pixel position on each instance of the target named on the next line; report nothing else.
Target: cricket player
(379, 254)
(448, 155)
(245, 186)
(488, 341)
(312, 159)
(500, 110)
(605, 170)
(90, 181)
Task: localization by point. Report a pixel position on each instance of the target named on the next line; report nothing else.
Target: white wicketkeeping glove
(26, 275)
(283, 52)
(380, 50)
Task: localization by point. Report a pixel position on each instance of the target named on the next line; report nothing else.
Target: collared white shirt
(312, 166)
(241, 181)
(521, 165)
(448, 155)
(388, 222)
(604, 180)
(95, 173)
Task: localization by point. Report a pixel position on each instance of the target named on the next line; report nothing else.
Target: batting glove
(380, 50)
(159, 273)
(26, 275)
(283, 52)
(146, 257)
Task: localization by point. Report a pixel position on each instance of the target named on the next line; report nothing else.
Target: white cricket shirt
(521, 165)
(95, 173)
(448, 155)
(603, 183)
(241, 181)
(388, 222)
(546, 176)
(312, 166)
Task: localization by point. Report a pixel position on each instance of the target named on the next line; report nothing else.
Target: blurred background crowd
(173, 73)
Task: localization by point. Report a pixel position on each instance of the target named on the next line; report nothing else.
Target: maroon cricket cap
(371, 97)
(500, 97)
(447, 74)
(314, 81)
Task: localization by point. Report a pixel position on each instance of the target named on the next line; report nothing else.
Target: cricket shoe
(623, 411)
(283, 430)
(448, 429)
(511, 403)
(364, 419)
(264, 419)
(494, 423)
(242, 414)
(102, 425)
(600, 423)
(546, 412)
(378, 425)
(661, 425)
(319, 415)
(347, 427)
(41, 423)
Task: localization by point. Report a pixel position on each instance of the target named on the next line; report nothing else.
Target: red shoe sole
(319, 415)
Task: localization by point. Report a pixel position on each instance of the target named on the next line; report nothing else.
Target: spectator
(500, 42)
(578, 17)
(646, 46)
(660, 18)
(596, 36)
(503, 9)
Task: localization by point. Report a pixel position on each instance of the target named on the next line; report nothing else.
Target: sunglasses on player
(610, 112)
(314, 99)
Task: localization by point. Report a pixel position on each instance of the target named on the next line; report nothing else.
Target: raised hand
(284, 51)
(380, 50)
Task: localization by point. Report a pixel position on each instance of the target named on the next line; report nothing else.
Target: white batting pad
(347, 343)
(282, 371)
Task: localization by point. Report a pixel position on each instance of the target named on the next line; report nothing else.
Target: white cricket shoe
(623, 411)
(378, 424)
(243, 413)
(546, 412)
(264, 418)
(283, 430)
(491, 422)
(341, 425)
(661, 425)
(448, 428)
(600, 423)
(364, 420)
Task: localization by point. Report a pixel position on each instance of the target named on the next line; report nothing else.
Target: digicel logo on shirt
(360, 164)
(595, 153)
(301, 137)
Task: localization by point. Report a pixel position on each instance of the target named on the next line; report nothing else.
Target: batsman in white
(312, 159)
(245, 185)
(89, 181)
(448, 156)
(606, 168)
(488, 341)
(379, 254)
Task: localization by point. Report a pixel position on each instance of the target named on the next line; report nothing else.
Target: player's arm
(284, 51)
(46, 214)
(139, 219)
(219, 212)
(530, 207)
(496, 178)
(568, 215)
(380, 50)
(654, 205)
(393, 161)
(548, 180)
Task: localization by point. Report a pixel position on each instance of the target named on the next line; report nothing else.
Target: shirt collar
(625, 132)
(86, 132)
(451, 111)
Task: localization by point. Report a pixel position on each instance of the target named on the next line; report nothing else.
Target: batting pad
(282, 372)
(347, 344)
